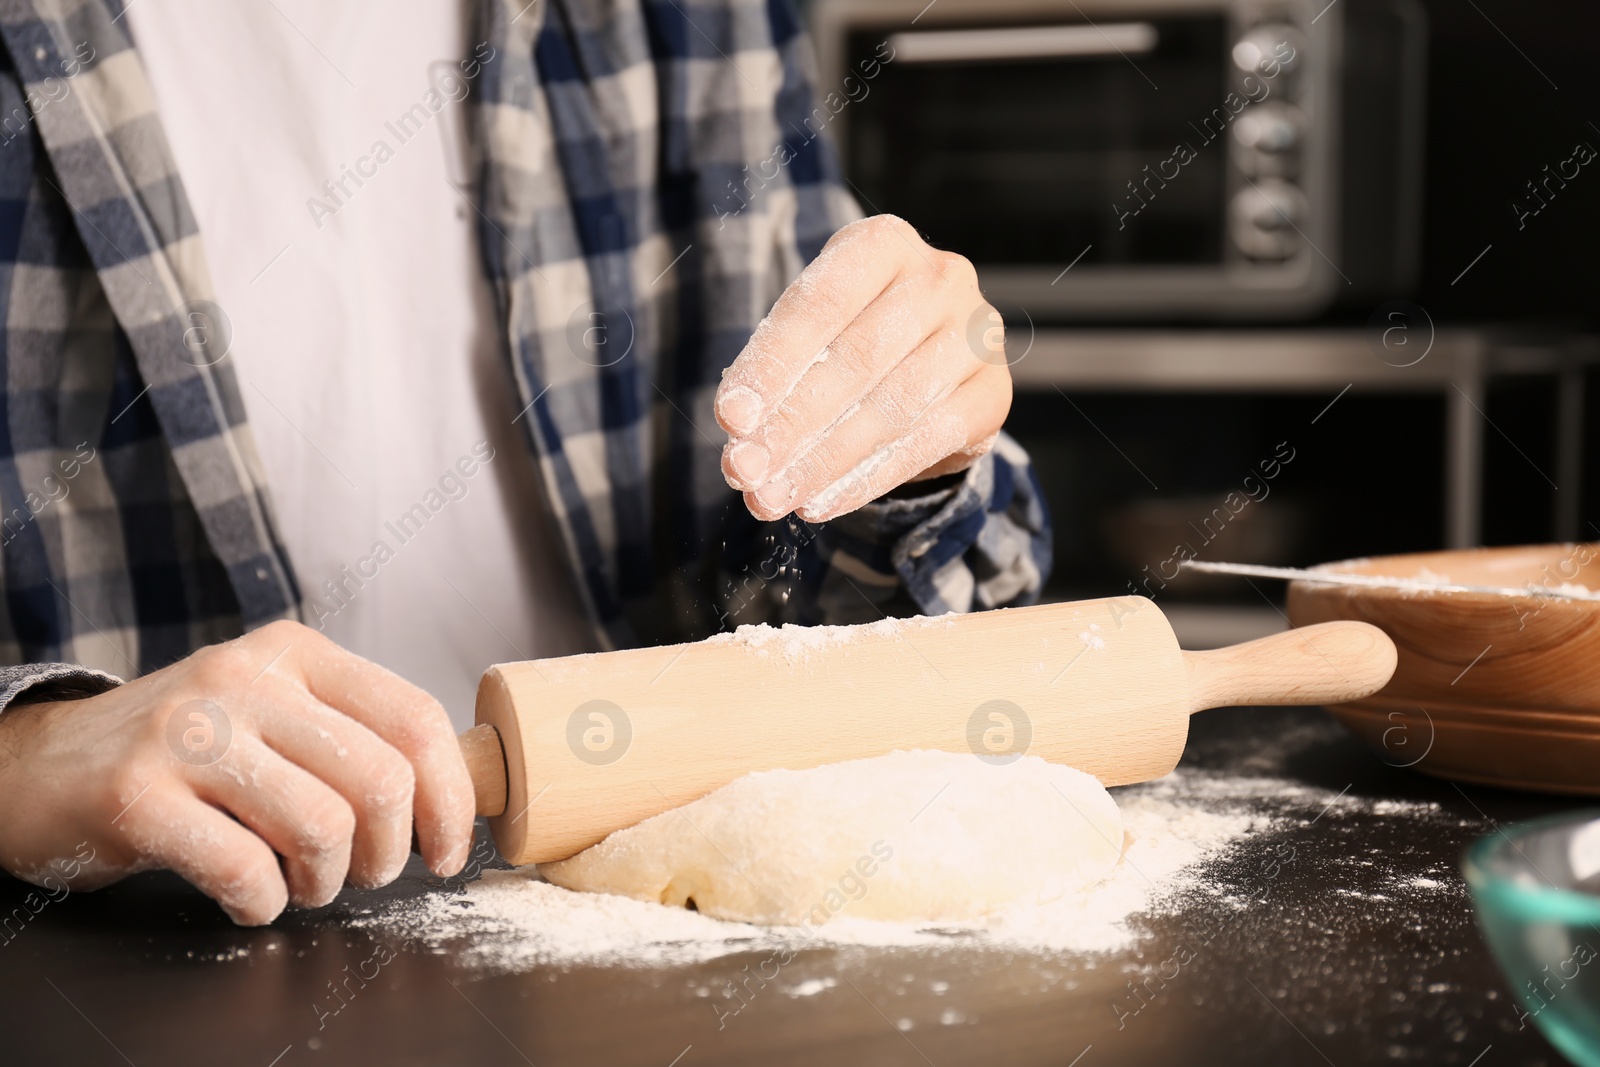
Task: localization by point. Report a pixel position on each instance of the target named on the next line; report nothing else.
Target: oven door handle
(1023, 42)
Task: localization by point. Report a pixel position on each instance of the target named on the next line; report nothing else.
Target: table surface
(1325, 965)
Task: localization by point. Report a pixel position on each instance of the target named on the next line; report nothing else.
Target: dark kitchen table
(1325, 965)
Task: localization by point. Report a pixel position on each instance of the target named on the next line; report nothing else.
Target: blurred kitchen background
(1360, 235)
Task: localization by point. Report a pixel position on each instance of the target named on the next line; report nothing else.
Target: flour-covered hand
(267, 770)
(882, 364)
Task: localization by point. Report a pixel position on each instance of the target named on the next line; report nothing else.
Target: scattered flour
(811, 987)
(512, 920)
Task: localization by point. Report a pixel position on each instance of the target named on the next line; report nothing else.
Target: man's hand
(881, 364)
(277, 744)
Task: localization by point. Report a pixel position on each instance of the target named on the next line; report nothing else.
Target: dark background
(1511, 87)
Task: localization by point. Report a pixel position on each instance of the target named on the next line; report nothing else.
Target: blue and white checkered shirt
(617, 142)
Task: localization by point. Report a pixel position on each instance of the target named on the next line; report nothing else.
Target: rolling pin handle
(486, 762)
(1328, 663)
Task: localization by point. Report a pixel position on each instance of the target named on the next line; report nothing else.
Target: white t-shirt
(319, 143)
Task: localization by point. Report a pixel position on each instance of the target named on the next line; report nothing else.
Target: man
(243, 233)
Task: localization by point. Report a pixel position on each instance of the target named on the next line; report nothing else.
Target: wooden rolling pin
(568, 750)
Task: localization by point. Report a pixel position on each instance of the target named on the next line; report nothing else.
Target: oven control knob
(1270, 128)
(1266, 218)
(1270, 49)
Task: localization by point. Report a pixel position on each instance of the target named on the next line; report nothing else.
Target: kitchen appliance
(1139, 159)
(569, 750)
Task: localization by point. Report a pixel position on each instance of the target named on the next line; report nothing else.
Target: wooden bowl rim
(1561, 549)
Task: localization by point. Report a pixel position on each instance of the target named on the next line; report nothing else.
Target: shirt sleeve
(982, 543)
(33, 683)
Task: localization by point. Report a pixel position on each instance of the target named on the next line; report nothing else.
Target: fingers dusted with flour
(866, 375)
(297, 815)
(847, 277)
(409, 724)
(268, 770)
(217, 855)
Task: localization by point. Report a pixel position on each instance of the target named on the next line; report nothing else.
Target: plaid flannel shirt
(616, 140)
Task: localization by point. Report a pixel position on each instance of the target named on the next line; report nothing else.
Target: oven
(1138, 160)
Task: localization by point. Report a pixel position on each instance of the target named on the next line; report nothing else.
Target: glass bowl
(1536, 888)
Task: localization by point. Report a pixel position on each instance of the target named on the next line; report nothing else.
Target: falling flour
(1179, 829)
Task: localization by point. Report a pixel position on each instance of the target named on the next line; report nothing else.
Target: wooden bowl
(1498, 690)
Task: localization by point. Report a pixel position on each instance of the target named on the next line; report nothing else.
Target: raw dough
(909, 836)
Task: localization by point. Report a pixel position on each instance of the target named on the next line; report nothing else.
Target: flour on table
(923, 836)
(1184, 832)
(513, 920)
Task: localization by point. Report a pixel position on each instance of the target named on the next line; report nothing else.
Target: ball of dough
(932, 836)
